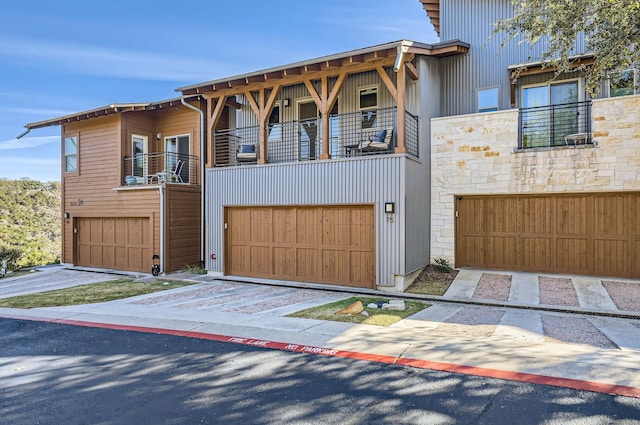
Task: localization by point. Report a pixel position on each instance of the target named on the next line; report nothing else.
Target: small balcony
(160, 168)
(567, 124)
(354, 134)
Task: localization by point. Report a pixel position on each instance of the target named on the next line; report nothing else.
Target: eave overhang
(432, 7)
(103, 111)
(327, 64)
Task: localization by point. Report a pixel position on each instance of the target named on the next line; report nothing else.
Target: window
(139, 155)
(488, 100)
(71, 154)
(368, 103)
(622, 83)
(552, 113)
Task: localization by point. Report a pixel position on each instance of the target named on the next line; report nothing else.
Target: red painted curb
(531, 378)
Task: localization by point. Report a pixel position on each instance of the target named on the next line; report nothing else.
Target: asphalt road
(62, 374)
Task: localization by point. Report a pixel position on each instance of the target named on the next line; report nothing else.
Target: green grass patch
(90, 293)
(378, 317)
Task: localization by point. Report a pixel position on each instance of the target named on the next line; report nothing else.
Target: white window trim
(145, 151)
(359, 89)
(77, 154)
(497, 105)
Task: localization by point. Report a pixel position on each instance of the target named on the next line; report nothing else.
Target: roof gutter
(24, 133)
(202, 179)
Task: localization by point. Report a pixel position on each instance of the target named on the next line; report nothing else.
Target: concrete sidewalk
(601, 352)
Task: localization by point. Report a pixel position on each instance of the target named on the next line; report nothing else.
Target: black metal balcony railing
(566, 124)
(160, 167)
(302, 140)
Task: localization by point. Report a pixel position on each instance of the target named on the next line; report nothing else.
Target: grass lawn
(432, 281)
(90, 293)
(379, 317)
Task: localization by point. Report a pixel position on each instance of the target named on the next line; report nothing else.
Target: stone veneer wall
(474, 155)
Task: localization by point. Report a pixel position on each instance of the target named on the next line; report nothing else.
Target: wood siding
(90, 192)
(96, 191)
(182, 227)
(593, 234)
(328, 244)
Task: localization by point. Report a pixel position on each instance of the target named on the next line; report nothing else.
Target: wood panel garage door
(593, 234)
(334, 245)
(114, 243)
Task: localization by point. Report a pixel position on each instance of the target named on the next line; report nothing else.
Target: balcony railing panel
(294, 141)
(555, 125)
(160, 167)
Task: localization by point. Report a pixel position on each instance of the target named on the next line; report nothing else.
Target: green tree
(29, 223)
(611, 29)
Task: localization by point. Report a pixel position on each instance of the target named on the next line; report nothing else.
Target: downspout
(161, 191)
(202, 179)
(24, 133)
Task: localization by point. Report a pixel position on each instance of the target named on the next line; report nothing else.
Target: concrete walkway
(518, 338)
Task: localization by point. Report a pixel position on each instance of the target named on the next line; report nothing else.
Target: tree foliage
(611, 29)
(29, 223)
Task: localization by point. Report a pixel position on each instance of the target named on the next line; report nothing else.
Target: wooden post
(400, 123)
(324, 96)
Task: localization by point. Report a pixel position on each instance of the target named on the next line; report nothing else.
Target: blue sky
(68, 56)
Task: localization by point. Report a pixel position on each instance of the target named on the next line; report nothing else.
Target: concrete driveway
(49, 279)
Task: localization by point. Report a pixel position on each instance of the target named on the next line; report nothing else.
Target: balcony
(350, 135)
(567, 124)
(160, 168)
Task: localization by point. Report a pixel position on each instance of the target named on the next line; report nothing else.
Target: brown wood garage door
(594, 234)
(329, 244)
(114, 243)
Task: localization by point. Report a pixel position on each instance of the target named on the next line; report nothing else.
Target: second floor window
(368, 103)
(71, 154)
(622, 83)
(488, 100)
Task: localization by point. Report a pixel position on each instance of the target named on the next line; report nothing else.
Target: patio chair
(380, 141)
(174, 175)
(247, 153)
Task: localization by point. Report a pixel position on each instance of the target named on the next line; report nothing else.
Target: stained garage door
(329, 244)
(594, 234)
(114, 243)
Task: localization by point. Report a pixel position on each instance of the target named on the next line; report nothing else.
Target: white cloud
(102, 61)
(27, 143)
(36, 111)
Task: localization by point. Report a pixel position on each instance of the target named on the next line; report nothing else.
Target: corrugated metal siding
(362, 181)
(418, 180)
(349, 94)
(486, 64)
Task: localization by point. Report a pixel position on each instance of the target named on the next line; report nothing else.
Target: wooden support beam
(333, 96)
(213, 119)
(232, 102)
(324, 111)
(387, 82)
(314, 94)
(400, 123)
(253, 103)
(412, 71)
